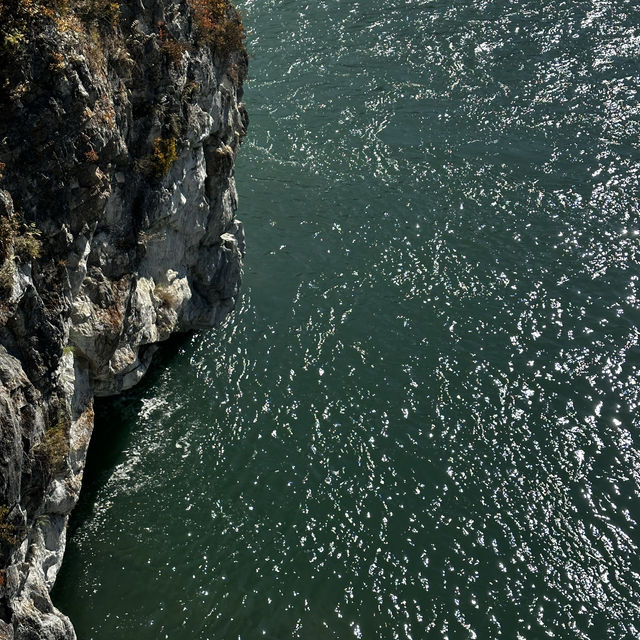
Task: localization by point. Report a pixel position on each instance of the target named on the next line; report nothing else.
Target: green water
(421, 422)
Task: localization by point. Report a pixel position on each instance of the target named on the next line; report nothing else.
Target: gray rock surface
(117, 230)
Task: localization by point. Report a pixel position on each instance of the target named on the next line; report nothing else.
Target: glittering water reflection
(421, 422)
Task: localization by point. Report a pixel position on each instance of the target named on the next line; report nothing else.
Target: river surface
(422, 420)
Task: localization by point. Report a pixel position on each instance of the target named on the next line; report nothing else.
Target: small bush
(14, 39)
(57, 61)
(174, 50)
(54, 446)
(104, 12)
(230, 36)
(190, 90)
(8, 532)
(171, 47)
(17, 18)
(112, 11)
(23, 238)
(27, 243)
(218, 24)
(164, 155)
(68, 22)
(208, 14)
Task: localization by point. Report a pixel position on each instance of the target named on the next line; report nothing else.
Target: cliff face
(119, 125)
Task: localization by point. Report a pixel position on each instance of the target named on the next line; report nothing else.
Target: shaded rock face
(117, 229)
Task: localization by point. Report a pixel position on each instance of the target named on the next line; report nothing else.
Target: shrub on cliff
(104, 11)
(27, 243)
(219, 25)
(18, 17)
(174, 49)
(8, 531)
(20, 238)
(53, 449)
(164, 155)
(21, 21)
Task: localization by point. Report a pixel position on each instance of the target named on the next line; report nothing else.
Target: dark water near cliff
(422, 420)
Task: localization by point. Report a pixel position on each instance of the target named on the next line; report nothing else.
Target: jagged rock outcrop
(119, 125)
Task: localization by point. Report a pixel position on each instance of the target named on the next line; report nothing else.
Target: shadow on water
(114, 425)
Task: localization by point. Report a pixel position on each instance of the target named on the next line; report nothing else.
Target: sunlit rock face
(119, 127)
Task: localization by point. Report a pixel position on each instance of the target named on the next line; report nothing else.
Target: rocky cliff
(119, 125)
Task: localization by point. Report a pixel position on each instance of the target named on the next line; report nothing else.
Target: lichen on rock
(119, 126)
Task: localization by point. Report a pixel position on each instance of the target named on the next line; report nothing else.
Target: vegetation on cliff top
(216, 22)
(18, 17)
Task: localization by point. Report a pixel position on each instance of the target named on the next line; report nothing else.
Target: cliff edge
(119, 126)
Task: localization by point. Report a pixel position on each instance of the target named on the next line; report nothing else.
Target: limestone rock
(118, 137)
